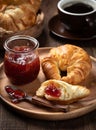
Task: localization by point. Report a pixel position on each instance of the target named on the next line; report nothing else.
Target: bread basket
(33, 31)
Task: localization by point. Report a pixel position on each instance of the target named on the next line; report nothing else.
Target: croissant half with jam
(67, 58)
(17, 15)
(62, 92)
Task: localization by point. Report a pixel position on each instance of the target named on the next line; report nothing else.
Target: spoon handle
(43, 102)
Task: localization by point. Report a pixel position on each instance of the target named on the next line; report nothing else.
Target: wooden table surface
(10, 120)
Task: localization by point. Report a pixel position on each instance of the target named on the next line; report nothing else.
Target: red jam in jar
(21, 62)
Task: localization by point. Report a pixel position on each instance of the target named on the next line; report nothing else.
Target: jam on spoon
(15, 94)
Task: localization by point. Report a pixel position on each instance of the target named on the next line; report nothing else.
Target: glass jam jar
(21, 61)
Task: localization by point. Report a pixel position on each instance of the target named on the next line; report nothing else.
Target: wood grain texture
(11, 120)
(77, 109)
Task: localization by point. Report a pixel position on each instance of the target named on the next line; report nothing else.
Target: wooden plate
(77, 109)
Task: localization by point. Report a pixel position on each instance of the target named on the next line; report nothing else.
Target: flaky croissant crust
(70, 58)
(17, 15)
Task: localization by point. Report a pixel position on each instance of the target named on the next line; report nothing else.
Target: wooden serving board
(76, 109)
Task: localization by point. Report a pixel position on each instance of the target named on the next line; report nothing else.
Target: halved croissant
(62, 92)
(70, 58)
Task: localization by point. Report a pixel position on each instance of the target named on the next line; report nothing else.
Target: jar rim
(21, 37)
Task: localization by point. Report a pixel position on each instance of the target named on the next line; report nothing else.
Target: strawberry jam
(14, 93)
(21, 62)
(52, 90)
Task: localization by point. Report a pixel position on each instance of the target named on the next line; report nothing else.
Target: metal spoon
(18, 95)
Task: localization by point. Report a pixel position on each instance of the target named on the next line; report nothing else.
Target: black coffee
(78, 8)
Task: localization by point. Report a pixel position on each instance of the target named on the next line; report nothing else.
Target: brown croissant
(70, 58)
(17, 15)
(62, 92)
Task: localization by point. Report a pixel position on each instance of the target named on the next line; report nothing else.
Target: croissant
(62, 92)
(17, 15)
(67, 58)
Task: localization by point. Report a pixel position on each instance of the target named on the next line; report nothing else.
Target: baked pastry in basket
(62, 92)
(17, 15)
(70, 58)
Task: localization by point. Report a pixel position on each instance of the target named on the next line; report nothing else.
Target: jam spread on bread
(52, 90)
